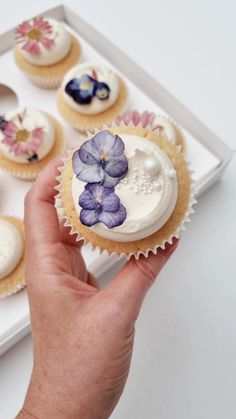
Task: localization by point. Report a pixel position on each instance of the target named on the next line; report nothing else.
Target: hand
(82, 336)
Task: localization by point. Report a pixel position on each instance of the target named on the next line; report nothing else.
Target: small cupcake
(90, 96)
(29, 139)
(126, 190)
(12, 256)
(159, 123)
(45, 51)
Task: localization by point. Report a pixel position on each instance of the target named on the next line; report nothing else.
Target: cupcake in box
(91, 95)
(45, 51)
(126, 190)
(12, 256)
(29, 139)
(159, 123)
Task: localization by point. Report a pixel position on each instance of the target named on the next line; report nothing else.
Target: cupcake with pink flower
(29, 138)
(159, 123)
(45, 51)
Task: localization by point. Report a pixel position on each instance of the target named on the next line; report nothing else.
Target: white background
(184, 363)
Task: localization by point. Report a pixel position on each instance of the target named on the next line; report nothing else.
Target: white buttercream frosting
(56, 52)
(165, 127)
(32, 119)
(148, 192)
(11, 248)
(103, 75)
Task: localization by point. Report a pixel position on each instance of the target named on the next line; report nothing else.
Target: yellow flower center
(104, 156)
(22, 135)
(85, 86)
(34, 34)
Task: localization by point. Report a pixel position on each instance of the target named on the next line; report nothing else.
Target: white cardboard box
(208, 154)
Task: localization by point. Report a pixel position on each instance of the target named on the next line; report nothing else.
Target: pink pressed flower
(33, 34)
(20, 140)
(144, 119)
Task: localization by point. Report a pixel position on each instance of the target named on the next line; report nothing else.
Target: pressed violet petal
(117, 166)
(89, 217)
(111, 202)
(113, 219)
(91, 174)
(98, 190)
(88, 153)
(109, 181)
(87, 200)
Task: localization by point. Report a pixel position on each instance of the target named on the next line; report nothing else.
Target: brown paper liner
(42, 75)
(158, 239)
(29, 171)
(15, 281)
(86, 123)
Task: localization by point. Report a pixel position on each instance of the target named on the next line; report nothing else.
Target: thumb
(131, 284)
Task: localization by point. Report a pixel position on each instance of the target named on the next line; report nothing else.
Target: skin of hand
(82, 336)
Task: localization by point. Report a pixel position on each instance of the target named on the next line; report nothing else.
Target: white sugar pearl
(172, 173)
(151, 166)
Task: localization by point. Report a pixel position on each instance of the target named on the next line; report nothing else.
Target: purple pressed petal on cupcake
(89, 173)
(111, 203)
(87, 200)
(117, 166)
(109, 181)
(89, 217)
(113, 219)
(88, 153)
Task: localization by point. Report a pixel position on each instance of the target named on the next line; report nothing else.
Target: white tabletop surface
(184, 364)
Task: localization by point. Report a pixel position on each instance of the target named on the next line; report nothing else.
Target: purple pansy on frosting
(101, 160)
(101, 205)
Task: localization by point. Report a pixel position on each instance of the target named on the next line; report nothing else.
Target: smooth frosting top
(43, 41)
(26, 135)
(148, 191)
(11, 248)
(90, 89)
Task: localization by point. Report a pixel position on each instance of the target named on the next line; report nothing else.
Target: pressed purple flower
(101, 160)
(101, 205)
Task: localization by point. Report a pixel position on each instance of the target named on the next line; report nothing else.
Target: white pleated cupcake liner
(46, 82)
(169, 240)
(14, 290)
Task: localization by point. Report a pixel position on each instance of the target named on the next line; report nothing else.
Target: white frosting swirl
(32, 119)
(11, 248)
(103, 75)
(148, 192)
(54, 54)
(166, 128)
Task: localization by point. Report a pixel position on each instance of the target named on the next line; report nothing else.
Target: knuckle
(147, 269)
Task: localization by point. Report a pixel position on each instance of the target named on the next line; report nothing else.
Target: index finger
(41, 220)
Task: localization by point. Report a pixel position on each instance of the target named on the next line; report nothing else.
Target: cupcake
(159, 123)
(29, 139)
(90, 96)
(45, 51)
(12, 258)
(126, 190)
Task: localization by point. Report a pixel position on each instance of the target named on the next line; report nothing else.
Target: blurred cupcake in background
(159, 123)
(45, 51)
(91, 95)
(12, 256)
(29, 139)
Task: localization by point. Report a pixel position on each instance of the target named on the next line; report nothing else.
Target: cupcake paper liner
(46, 82)
(154, 248)
(15, 281)
(29, 171)
(89, 123)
